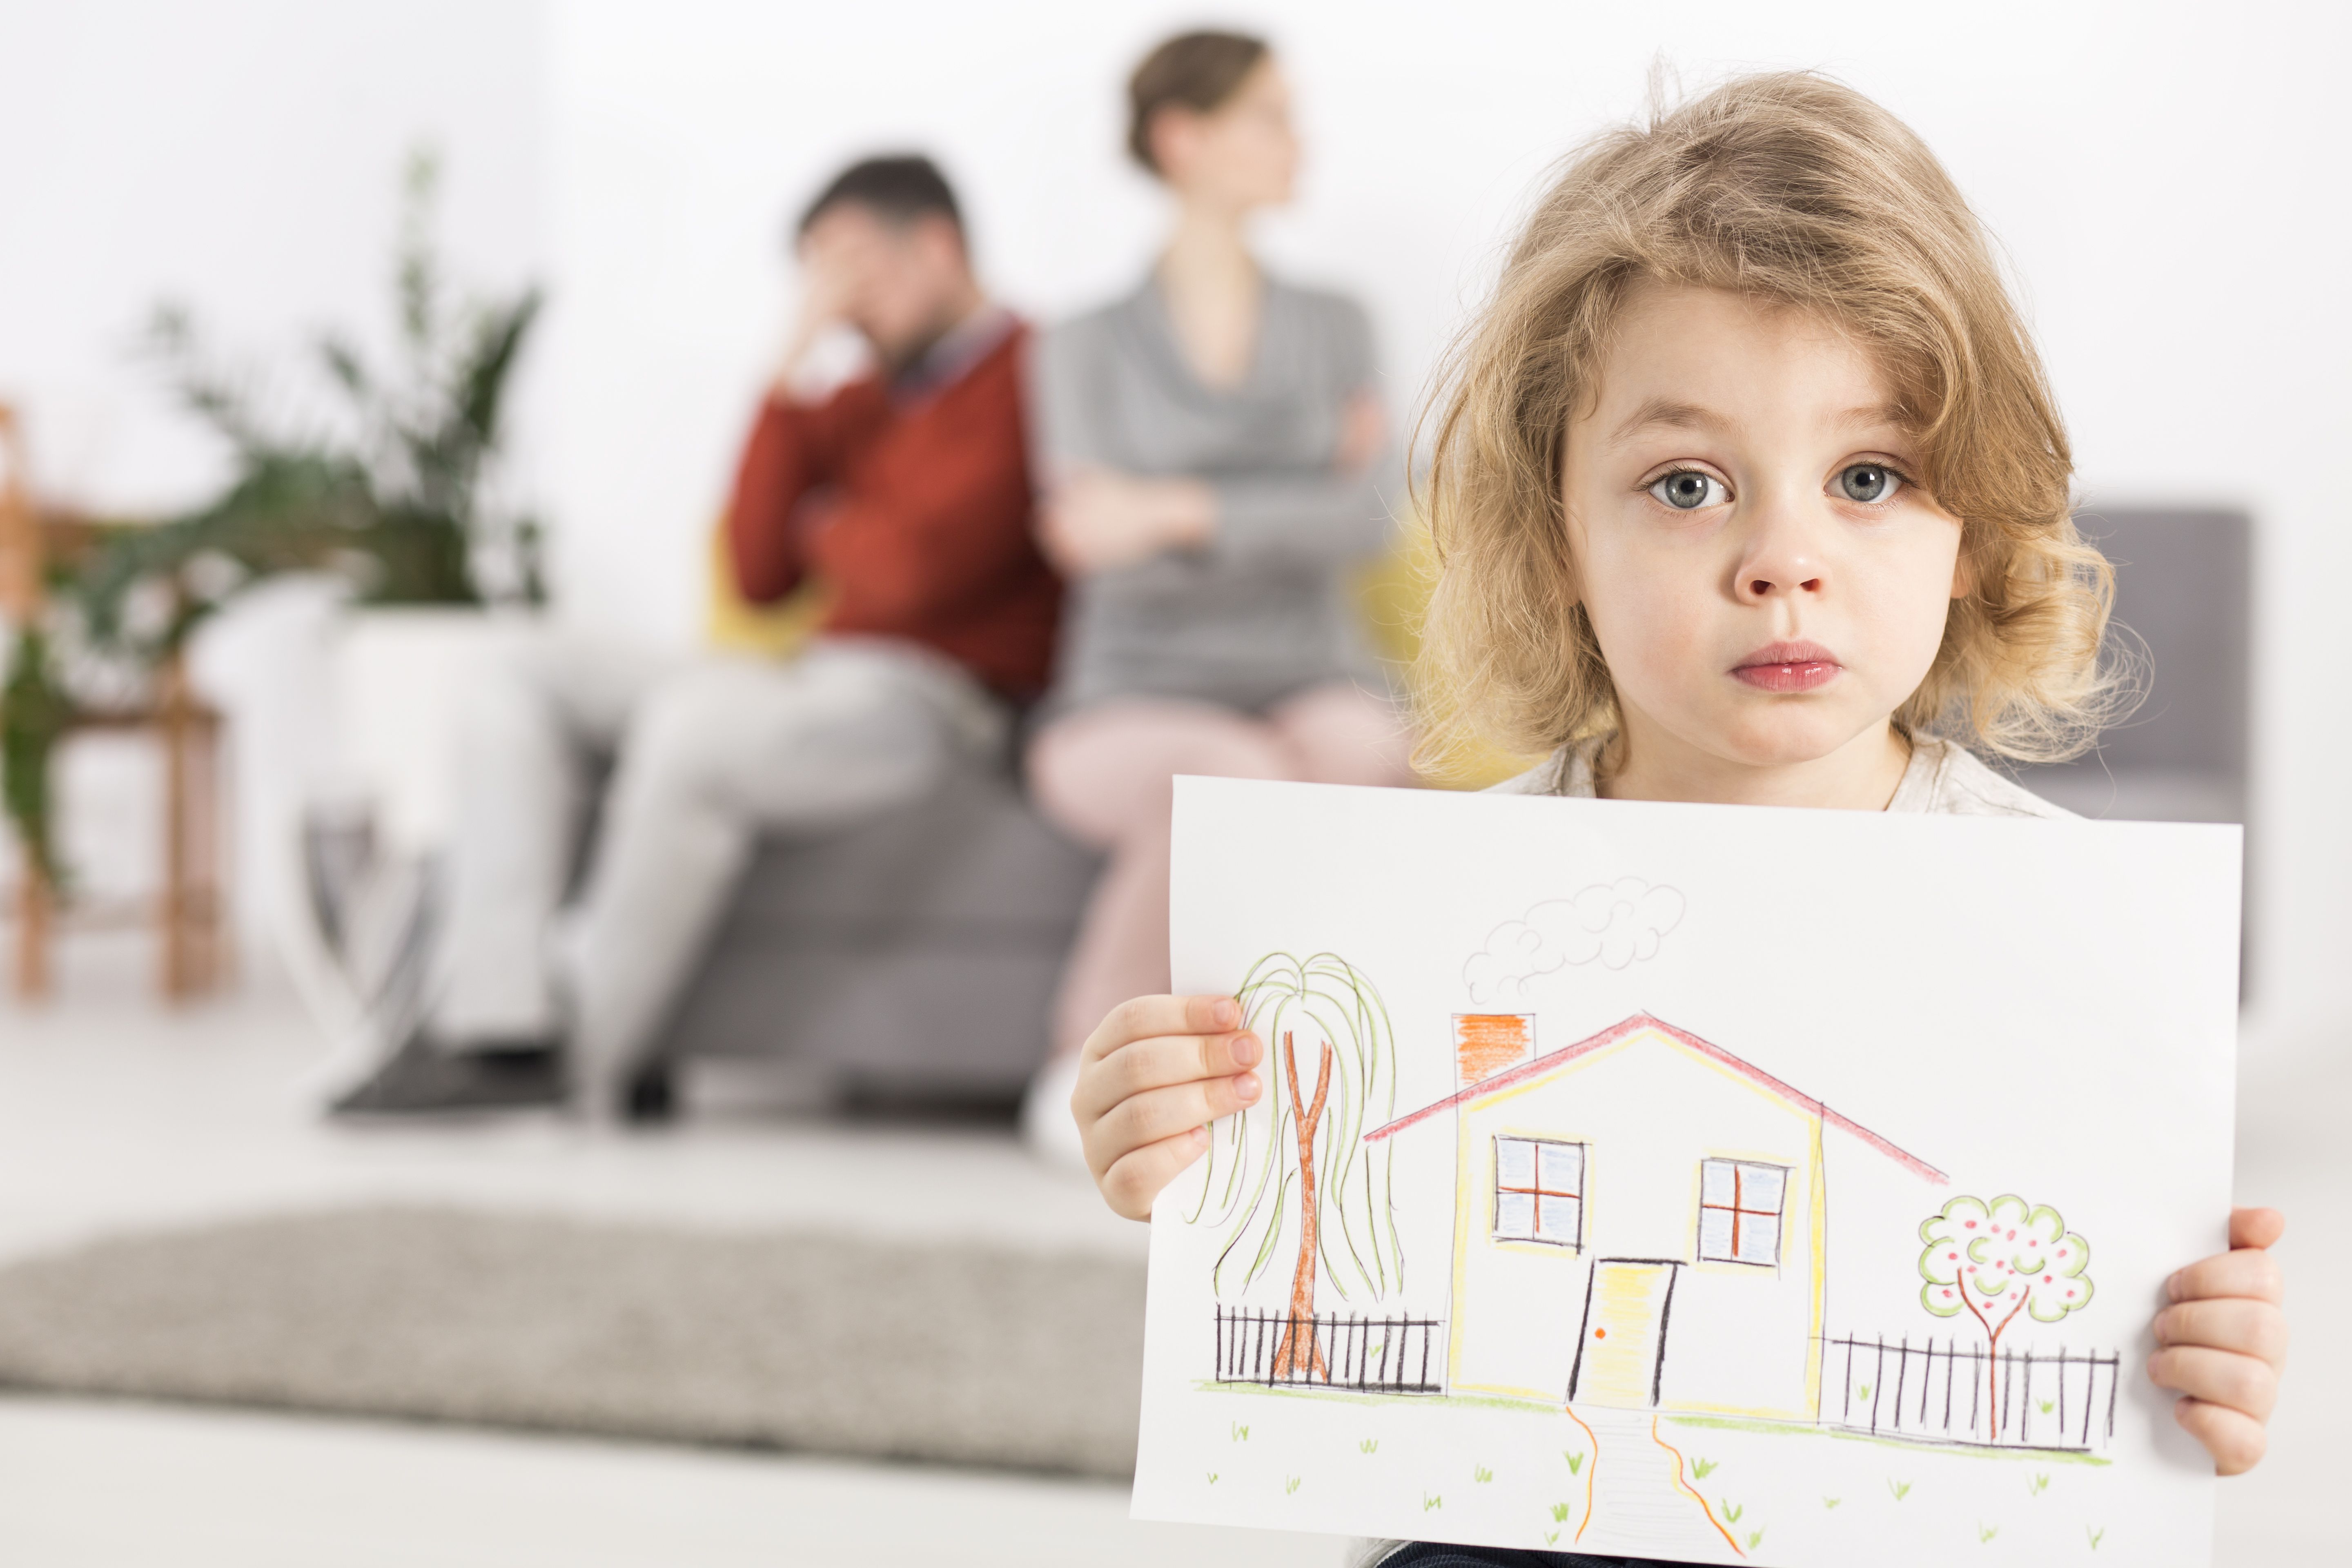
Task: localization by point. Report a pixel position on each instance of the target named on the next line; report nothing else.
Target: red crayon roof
(1618, 1031)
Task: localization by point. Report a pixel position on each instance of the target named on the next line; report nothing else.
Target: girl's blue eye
(1688, 489)
(1868, 482)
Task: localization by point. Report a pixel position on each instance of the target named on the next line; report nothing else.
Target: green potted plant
(384, 484)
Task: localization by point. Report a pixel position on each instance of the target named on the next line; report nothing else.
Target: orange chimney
(1487, 1043)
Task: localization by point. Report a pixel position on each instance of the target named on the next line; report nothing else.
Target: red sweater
(916, 514)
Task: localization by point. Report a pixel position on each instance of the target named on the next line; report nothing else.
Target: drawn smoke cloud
(1617, 923)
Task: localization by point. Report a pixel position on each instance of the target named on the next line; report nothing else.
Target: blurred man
(906, 493)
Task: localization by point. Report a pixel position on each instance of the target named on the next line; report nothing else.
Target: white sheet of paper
(1634, 1119)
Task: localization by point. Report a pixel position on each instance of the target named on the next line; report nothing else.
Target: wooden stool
(190, 912)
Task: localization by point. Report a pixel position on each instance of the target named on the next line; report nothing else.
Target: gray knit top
(1263, 611)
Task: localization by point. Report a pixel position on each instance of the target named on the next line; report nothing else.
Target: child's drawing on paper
(1616, 923)
(1994, 1261)
(1653, 1191)
(1636, 1236)
(1299, 1162)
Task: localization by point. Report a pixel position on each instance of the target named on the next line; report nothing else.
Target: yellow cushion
(1393, 594)
(739, 626)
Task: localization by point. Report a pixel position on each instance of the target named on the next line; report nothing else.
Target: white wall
(2166, 179)
(242, 156)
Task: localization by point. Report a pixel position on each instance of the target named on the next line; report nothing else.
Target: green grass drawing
(2096, 1535)
(2038, 1485)
(1832, 1501)
(1792, 1434)
(1241, 1432)
(1369, 1446)
(1730, 1514)
(1481, 1474)
(1575, 1460)
(1213, 1477)
(1986, 1533)
(1702, 1469)
(1559, 1513)
(1291, 1485)
(1900, 1489)
(1755, 1539)
(1863, 1392)
(1429, 1500)
(1551, 1538)
(2047, 1405)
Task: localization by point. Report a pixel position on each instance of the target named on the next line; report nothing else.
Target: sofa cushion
(973, 863)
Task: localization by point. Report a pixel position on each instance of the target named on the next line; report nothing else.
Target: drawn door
(1624, 1348)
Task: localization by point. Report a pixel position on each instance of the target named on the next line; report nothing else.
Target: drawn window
(1740, 1211)
(1540, 1191)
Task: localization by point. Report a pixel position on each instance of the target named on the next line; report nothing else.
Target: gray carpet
(814, 1342)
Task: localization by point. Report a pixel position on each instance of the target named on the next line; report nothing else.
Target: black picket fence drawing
(1371, 1356)
(2062, 1400)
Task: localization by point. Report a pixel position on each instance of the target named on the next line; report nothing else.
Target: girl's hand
(1150, 1080)
(1096, 519)
(2223, 1340)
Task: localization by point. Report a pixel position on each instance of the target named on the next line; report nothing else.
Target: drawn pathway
(1638, 1505)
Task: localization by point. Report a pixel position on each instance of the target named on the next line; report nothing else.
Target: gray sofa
(2184, 590)
(916, 956)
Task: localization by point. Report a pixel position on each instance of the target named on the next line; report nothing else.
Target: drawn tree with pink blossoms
(1995, 1260)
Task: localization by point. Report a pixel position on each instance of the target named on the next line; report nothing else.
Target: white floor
(115, 1115)
(115, 1486)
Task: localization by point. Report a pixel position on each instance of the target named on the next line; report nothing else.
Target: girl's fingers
(1137, 1176)
(2256, 1228)
(2247, 1272)
(2235, 1439)
(2226, 1324)
(2242, 1382)
(1158, 1114)
(1141, 1017)
(1144, 1064)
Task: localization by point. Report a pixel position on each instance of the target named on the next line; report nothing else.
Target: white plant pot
(344, 707)
(396, 674)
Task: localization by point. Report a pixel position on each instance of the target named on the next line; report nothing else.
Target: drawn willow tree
(1300, 1153)
(1995, 1260)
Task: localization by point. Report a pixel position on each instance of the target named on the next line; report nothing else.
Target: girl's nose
(1783, 557)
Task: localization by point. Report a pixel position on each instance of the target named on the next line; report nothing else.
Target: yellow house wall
(1739, 1338)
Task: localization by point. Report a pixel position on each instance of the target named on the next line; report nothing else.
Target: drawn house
(1641, 1220)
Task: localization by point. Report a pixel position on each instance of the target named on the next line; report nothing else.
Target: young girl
(1748, 488)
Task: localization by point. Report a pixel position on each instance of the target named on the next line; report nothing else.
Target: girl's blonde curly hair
(1794, 188)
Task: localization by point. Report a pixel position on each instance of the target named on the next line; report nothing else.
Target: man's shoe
(652, 1099)
(424, 1077)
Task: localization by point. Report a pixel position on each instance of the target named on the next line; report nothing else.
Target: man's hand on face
(836, 259)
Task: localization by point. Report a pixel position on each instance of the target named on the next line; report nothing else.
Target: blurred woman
(1214, 449)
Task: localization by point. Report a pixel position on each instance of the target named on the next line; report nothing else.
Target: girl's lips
(1789, 667)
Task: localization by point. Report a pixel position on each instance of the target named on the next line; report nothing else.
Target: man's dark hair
(899, 189)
